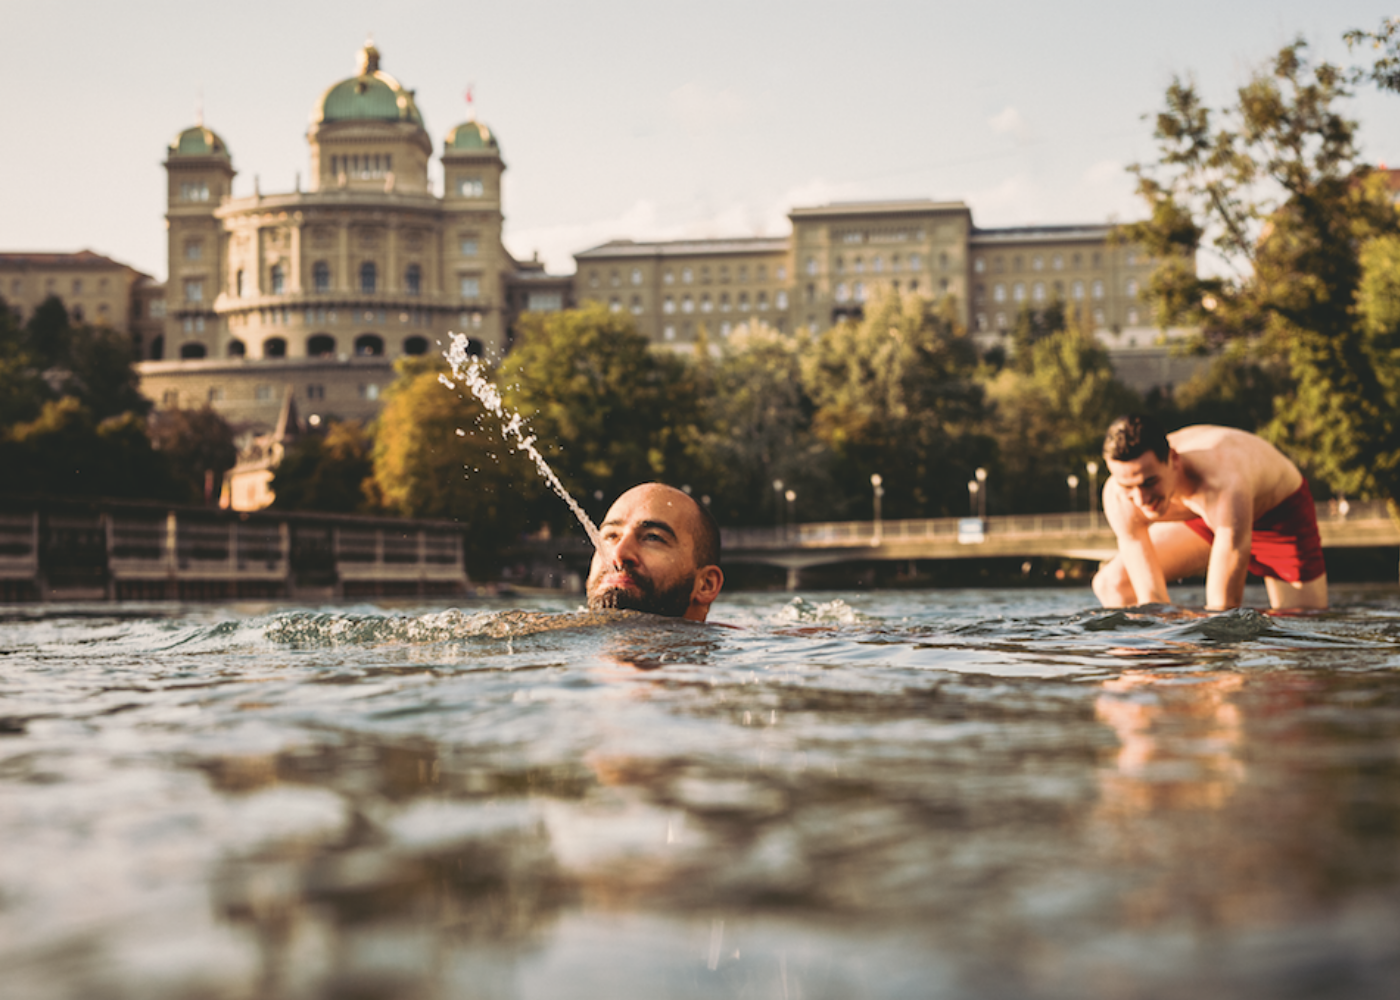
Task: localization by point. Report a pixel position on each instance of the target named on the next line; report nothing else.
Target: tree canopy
(1273, 190)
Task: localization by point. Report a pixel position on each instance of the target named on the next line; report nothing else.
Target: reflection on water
(963, 795)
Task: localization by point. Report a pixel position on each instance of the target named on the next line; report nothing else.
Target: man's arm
(1230, 515)
(1135, 546)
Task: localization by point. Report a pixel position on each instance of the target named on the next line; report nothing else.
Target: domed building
(320, 290)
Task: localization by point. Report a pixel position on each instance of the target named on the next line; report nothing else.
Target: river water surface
(940, 794)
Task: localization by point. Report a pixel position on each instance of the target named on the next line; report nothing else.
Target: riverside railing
(146, 552)
(851, 534)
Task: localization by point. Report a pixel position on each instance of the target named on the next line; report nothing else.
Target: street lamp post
(877, 483)
(1093, 468)
(972, 491)
(1073, 482)
(981, 475)
(791, 496)
(778, 506)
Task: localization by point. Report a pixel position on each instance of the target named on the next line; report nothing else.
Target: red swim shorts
(1285, 543)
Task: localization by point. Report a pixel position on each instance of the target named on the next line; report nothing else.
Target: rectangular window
(544, 302)
(262, 393)
(194, 250)
(216, 393)
(194, 191)
(470, 287)
(469, 246)
(194, 290)
(470, 187)
(315, 392)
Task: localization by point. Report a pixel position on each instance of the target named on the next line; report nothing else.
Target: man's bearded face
(631, 590)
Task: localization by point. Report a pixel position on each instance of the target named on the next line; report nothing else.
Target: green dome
(372, 96)
(198, 141)
(470, 137)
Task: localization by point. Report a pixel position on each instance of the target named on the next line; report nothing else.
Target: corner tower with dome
(315, 292)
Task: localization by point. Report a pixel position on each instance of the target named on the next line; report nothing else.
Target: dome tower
(367, 134)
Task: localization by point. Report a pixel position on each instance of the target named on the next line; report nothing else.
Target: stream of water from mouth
(470, 371)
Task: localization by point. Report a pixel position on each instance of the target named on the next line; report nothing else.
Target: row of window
(707, 304)
(319, 345)
(687, 275)
(362, 165)
(1038, 290)
(194, 191)
(913, 262)
(51, 285)
(469, 286)
(1056, 261)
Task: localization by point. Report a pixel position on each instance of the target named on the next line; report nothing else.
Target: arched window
(415, 346)
(188, 351)
(475, 348)
(369, 345)
(413, 279)
(279, 279)
(320, 345)
(369, 276)
(321, 276)
(237, 349)
(274, 347)
(238, 283)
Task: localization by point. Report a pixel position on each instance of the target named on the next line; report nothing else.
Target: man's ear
(708, 582)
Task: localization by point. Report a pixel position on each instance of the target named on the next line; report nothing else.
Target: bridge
(1357, 524)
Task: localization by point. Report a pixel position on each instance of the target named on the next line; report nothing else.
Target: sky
(641, 120)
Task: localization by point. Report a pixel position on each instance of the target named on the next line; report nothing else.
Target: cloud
(1010, 122)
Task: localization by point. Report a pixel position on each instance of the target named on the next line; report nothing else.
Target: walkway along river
(119, 551)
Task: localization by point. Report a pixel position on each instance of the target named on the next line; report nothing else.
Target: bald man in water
(1206, 499)
(658, 552)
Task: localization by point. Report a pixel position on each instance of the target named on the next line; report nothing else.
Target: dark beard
(672, 603)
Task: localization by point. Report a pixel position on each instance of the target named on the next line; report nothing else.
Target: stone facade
(94, 289)
(321, 289)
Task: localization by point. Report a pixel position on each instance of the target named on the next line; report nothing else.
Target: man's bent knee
(1112, 586)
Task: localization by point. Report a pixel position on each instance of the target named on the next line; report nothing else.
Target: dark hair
(707, 538)
(1134, 435)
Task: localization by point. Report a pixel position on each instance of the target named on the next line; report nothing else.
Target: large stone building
(313, 293)
(320, 290)
(840, 255)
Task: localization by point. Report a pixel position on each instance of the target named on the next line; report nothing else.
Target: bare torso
(1216, 460)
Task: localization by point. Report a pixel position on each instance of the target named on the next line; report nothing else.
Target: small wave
(1235, 625)
(835, 612)
(304, 628)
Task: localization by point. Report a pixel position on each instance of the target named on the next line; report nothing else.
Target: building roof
(198, 141)
(370, 95)
(1046, 234)
(681, 248)
(470, 137)
(84, 259)
(899, 207)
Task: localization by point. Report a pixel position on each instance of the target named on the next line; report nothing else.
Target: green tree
(326, 471)
(1273, 188)
(66, 452)
(199, 445)
(1050, 409)
(895, 394)
(607, 411)
(757, 426)
(437, 454)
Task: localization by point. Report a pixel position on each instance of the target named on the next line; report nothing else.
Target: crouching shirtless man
(1210, 499)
